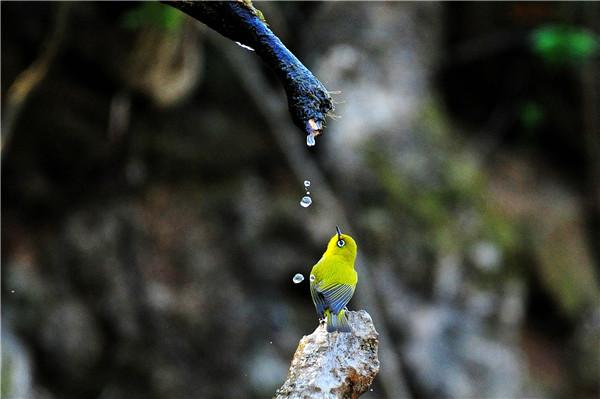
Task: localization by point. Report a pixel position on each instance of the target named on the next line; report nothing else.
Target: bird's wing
(336, 296)
(318, 300)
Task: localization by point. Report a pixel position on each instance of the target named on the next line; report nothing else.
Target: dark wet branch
(308, 100)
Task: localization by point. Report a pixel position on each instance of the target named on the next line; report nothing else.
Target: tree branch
(28, 80)
(308, 100)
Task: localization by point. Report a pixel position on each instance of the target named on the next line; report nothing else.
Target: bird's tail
(337, 322)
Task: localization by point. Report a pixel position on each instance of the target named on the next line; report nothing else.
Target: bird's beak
(339, 232)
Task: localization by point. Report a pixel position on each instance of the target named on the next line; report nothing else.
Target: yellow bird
(333, 280)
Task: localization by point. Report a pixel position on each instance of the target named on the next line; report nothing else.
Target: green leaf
(531, 115)
(564, 44)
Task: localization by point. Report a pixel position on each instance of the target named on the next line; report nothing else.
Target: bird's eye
(341, 243)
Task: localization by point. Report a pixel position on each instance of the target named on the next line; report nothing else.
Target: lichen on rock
(337, 365)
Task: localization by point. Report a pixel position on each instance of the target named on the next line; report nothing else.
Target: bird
(333, 281)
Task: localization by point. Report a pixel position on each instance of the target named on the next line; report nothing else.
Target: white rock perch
(337, 365)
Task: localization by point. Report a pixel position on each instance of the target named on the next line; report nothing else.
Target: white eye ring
(341, 243)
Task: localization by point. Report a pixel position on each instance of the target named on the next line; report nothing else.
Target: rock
(391, 57)
(71, 339)
(337, 365)
(16, 367)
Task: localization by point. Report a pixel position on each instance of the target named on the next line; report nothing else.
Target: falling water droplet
(306, 201)
(298, 278)
(12, 291)
(306, 183)
(310, 140)
(244, 46)
(312, 277)
(271, 342)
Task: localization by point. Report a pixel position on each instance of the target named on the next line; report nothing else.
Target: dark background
(151, 181)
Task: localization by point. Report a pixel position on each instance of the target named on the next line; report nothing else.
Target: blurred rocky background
(150, 214)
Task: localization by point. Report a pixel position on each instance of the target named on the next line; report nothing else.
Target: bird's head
(342, 245)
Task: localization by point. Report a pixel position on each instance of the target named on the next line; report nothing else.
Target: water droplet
(306, 201)
(12, 291)
(371, 390)
(310, 140)
(298, 278)
(270, 342)
(306, 183)
(308, 192)
(244, 46)
(312, 277)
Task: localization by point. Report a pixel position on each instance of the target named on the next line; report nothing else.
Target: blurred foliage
(566, 269)
(7, 370)
(564, 44)
(531, 114)
(455, 190)
(153, 14)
